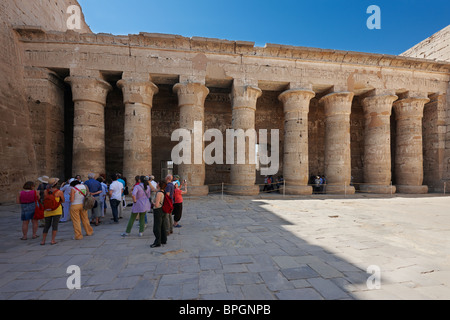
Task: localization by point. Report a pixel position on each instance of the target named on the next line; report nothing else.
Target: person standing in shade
(78, 214)
(95, 188)
(41, 188)
(102, 197)
(122, 201)
(169, 189)
(178, 204)
(52, 217)
(159, 218)
(27, 199)
(115, 197)
(140, 195)
(66, 188)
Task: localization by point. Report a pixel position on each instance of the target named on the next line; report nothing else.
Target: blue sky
(327, 24)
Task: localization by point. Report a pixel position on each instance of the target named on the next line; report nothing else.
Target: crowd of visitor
(84, 203)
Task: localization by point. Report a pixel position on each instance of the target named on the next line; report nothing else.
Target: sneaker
(178, 226)
(124, 234)
(141, 234)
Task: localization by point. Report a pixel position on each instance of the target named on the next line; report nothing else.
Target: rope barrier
(317, 189)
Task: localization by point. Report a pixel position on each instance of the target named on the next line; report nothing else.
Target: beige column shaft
(243, 176)
(337, 142)
(137, 147)
(409, 148)
(295, 157)
(377, 144)
(89, 97)
(191, 100)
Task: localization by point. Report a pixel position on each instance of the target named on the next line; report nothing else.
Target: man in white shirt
(115, 197)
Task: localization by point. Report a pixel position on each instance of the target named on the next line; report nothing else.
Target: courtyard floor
(240, 248)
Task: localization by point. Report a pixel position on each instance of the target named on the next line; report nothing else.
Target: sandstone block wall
(436, 47)
(18, 146)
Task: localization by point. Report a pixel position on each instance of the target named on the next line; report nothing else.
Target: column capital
(191, 93)
(245, 96)
(137, 91)
(337, 103)
(88, 89)
(410, 106)
(378, 104)
(296, 99)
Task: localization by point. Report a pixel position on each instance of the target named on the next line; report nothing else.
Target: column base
(375, 188)
(298, 190)
(244, 190)
(197, 191)
(339, 189)
(412, 189)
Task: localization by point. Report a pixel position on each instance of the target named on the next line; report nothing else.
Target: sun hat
(43, 179)
(53, 181)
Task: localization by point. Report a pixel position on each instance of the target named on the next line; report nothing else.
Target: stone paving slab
(241, 248)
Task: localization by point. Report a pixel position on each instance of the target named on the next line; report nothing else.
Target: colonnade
(89, 96)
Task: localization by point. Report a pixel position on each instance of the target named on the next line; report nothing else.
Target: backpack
(50, 203)
(167, 206)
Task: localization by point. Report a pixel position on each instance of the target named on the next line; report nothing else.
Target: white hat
(43, 179)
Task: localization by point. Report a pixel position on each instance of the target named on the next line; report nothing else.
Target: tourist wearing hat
(52, 217)
(41, 188)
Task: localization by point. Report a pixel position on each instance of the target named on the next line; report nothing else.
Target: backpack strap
(79, 191)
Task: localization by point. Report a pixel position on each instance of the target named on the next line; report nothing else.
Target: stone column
(377, 144)
(191, 100)
(337, 110)
(295, 157)
(89, 97)
(137, 147)
(243, 176)
(409, 148)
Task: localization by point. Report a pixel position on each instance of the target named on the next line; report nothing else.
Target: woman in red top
(27, 198)
(178, 204)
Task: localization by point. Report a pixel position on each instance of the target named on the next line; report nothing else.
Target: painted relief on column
(295, 157)
(138, 100)
(191, 101)
(89, 97)
(243, 176)
(409, 146)
(377, 144)
(337, 108)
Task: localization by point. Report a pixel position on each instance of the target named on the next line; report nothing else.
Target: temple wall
(18, 147)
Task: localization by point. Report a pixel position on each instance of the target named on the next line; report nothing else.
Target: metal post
(445, 186)
(222, 190)
(284, 187)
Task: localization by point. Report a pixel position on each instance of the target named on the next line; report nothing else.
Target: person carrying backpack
(159, 216)
(53, 199)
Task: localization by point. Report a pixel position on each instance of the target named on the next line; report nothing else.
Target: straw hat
(53, 181)
(43, 179)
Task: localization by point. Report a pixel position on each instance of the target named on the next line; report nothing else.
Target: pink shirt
(27, 196)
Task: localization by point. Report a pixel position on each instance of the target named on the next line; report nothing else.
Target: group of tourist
(62, 202)
(273, 184)
(318, 183)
